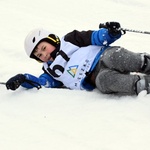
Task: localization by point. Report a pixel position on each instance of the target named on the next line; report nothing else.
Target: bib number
(58, 67)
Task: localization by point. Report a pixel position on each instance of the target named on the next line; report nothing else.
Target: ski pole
(3, 83)
(103, 25)
(136, 31)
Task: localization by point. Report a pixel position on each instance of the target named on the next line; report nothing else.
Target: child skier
(85, 60)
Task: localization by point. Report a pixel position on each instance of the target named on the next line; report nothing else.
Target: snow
(62, 119)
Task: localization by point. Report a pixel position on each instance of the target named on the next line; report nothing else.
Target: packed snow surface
(61, 119)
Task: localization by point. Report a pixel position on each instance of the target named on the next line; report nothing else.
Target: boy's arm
(108, 33)
(101, 37)
(43, 80)
(29, 81)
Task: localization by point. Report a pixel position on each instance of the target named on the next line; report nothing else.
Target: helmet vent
(33, 40)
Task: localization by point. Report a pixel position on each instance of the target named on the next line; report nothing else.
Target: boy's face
(43, 51)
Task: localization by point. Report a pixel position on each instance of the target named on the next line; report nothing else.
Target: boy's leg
(113, 72)
(110, 81)
(122, 60)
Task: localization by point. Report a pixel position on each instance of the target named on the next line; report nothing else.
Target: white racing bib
(72, 63)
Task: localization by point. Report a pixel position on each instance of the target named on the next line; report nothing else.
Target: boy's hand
(114, 28)
(14, 82)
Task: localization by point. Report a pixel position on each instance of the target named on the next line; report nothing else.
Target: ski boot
(145, 67)
(143, 84)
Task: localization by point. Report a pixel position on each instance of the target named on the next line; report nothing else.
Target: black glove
(14, 82)
(114, 28)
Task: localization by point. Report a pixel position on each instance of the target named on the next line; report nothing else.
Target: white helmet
(36, 36)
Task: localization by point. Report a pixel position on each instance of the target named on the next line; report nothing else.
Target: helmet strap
(54, 53)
